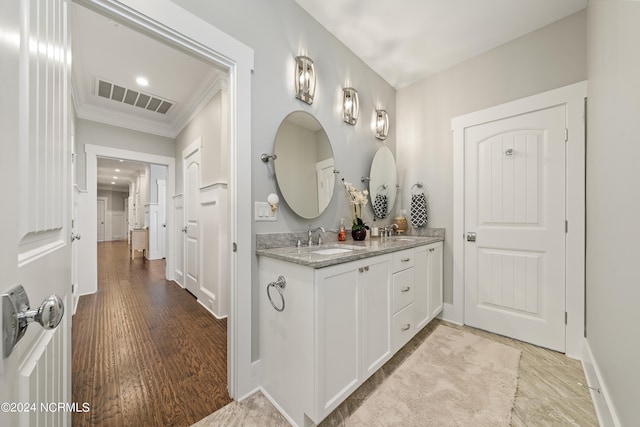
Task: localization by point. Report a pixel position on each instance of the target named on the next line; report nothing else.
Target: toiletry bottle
(342, 233)
(374, 229)
(401, 222)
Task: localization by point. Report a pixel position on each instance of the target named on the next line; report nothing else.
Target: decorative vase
(359, 234)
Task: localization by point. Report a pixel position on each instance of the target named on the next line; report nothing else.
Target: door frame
(573, 97)
(176, 26)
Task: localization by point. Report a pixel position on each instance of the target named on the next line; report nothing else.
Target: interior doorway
(169, 22)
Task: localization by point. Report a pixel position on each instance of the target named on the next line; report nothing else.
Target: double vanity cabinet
(347, 310)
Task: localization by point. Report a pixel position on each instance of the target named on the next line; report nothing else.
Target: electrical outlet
(262, 211)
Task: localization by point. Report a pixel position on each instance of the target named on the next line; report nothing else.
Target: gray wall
(94, 133)
(277, 31)
(551, 57)
(613, 200)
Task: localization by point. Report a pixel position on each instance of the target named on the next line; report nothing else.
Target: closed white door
(192, 220)
(162, 217)
(515, 205)
(35, 248)
(102, 209)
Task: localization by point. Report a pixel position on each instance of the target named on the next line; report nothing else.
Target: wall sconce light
(273, 201)
(382, 124)
(351, 105)
(305, 79)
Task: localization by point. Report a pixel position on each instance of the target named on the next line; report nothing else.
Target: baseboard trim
(599, 393)
(211, 311)
(450, 314)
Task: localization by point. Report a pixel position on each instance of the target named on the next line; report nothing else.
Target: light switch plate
(263, 212)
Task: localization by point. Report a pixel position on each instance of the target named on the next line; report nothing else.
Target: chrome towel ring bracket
(279, 285)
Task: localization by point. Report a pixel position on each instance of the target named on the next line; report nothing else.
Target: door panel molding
(572, 97)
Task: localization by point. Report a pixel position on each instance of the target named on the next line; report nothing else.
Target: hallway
(144, 352)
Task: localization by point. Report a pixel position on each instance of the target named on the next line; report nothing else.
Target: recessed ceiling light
(112, 182)
(117, 170)
(142, 81)
(121, 160)
(115, 177)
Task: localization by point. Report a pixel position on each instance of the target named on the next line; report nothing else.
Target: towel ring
(420, 187)
(384, 187)
(279, 286)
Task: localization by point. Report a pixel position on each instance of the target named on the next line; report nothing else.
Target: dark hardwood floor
(144, 352)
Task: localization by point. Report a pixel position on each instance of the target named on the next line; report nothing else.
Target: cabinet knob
(406, 327)
(405, 289)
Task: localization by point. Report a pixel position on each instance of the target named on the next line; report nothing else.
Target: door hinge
(234, 247)
(566, 134)
(566, 317)
(566, 226)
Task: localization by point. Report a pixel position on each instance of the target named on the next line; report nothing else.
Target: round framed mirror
(304, 164)
(383, 179)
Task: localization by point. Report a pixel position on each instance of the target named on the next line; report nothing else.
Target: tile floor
(551, 390)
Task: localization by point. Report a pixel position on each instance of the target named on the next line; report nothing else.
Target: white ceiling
(104, 49)
(107, 50)
(118, 172)
(407, 40)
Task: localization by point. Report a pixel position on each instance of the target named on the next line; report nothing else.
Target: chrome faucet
(309, 231)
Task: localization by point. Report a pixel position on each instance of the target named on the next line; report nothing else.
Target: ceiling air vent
(132, 97)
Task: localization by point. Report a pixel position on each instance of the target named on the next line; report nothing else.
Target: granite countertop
(334, 253)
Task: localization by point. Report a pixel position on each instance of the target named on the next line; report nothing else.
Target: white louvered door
(515, 203)
(35, 248)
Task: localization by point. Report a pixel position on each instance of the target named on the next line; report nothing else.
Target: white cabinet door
(375, 283)
(435, 279)
(422, 270)
(337, 335)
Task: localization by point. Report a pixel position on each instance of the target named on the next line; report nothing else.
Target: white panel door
(102, 213)
(35, 249)
(162, 217)
(192, 221)
(515, 203)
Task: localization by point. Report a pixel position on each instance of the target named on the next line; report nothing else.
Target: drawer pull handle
(405, 289)
(405, 259)
(361, 269)
(406, 327)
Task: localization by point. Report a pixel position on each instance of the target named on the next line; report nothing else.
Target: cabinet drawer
(403, 327)
(403, 259)
(403, 289)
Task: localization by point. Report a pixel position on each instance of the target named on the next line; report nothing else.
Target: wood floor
(144, 352)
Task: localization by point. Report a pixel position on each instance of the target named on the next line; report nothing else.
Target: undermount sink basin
(331, 251)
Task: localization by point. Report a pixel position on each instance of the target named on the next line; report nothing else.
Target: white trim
(573, 97)
(600, 396)
(175, 25)
(211, 311)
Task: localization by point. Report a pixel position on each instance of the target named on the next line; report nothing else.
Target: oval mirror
(304, 164)
(383, 179)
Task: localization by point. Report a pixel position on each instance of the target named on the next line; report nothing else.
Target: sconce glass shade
(351, 105)
(305, 76)
(382, 124)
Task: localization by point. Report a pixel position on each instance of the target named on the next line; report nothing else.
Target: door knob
(16, 315)
(75, 236)
(471, 237)
(184, 229)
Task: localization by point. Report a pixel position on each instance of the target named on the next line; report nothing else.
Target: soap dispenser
(342, 232)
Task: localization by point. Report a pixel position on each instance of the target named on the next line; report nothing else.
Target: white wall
(277, 31)
(613, 201)
(551, 57)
